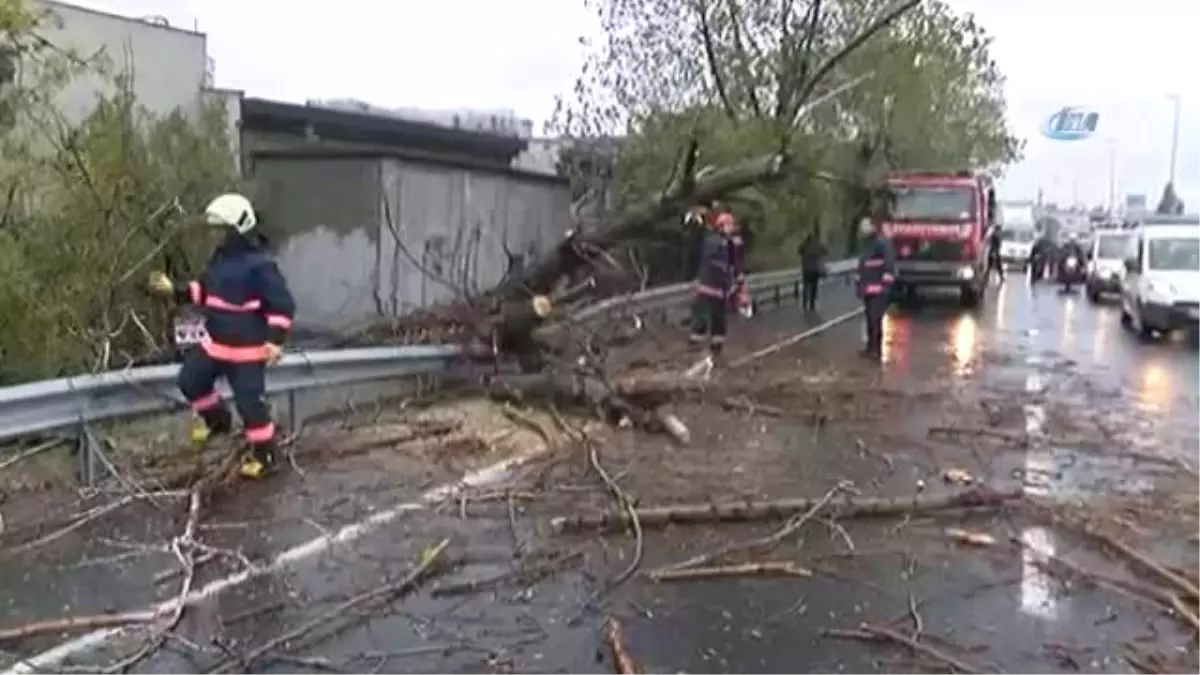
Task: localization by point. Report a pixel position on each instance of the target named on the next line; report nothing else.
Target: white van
(1016, 245)
(1161, 290)
(1106, 261)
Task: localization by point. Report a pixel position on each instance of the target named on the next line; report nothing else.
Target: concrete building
(169, 66)
(374, 216)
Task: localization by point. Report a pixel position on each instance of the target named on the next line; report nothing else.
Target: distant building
(1136, 205)
(170, 66)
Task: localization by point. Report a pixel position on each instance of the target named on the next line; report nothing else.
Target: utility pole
(1112, 175)
(1174, 136)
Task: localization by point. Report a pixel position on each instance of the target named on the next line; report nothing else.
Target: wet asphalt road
(1058, 356)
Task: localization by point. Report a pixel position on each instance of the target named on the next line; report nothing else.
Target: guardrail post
(89, 450)
(778, 296)
(293, 416)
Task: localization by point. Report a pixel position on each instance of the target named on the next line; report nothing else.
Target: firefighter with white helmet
(248, 312)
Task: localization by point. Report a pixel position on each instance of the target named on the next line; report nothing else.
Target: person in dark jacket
(248, 312)
(876, 273)
(812, 265)
(715, 279)
(1041, 255)
(994, 262)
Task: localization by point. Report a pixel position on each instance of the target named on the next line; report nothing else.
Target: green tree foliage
(90, 207)
(847, 89)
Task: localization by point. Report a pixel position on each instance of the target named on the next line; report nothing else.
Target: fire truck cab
(939, 222)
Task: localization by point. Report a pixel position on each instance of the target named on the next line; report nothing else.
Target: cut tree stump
(757, 510)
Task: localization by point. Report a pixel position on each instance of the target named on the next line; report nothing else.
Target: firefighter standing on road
(876, 272)
(248, 311)
(716, 277)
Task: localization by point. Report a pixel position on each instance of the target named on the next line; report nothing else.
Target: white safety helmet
(231, 210)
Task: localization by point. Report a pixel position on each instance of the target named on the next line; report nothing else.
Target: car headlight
(966, 273)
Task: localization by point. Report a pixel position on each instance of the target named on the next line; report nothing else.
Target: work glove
(274, 353)
(161, 284)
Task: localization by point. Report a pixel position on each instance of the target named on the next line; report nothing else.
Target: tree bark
(753, 510)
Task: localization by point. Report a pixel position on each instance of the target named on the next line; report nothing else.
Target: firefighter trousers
(709, 321)
(874, 307)
(197, 382)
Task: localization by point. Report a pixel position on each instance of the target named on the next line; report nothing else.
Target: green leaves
(89, 207)
(855, 87)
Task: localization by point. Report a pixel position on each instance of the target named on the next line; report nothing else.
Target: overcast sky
(1120, 60)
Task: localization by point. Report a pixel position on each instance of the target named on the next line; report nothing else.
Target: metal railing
(73, 404)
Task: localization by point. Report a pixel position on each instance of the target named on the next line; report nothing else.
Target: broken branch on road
(429, 557)
(760, 569)
(760, 543)
(623, 663)
(759, 510)
(871, 632)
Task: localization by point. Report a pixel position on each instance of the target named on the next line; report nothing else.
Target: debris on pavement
(811, 501)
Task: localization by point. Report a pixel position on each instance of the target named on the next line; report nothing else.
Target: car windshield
(1175, 254)
(1113, 247)
(953, 204)
(1019, 236)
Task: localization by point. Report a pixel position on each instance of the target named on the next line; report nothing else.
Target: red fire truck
(938, 222)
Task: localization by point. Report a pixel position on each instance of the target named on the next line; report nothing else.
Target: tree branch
(857, 41)
(710, 53)
(739, 43)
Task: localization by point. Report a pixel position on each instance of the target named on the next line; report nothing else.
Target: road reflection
(1067, 333)
(1102, 336)
(964, 336)
(1037, 590)
(1155, 386)
(1002, 308)
(897, 334)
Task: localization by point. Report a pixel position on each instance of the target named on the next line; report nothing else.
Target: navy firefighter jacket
(244, 299)
(876, 266)
(715, 271)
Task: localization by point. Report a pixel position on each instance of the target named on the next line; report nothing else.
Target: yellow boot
(258, 462)
(199, 432)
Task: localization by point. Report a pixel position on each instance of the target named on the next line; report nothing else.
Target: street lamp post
(1112, 176)
(1174, 136)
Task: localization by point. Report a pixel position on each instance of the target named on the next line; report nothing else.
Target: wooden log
(757, 510)
(623, 663)
(589, 391)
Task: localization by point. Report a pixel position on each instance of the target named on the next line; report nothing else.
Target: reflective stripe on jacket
(245, 302)
(876, 266)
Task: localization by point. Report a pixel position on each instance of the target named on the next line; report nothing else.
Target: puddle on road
(961, 341)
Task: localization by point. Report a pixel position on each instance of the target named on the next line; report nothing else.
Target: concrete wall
(169, 65)
(348, 262)
(231, 100)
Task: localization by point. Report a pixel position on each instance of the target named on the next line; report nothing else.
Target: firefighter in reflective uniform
(876, 273)
(715, 277)
(248, 312)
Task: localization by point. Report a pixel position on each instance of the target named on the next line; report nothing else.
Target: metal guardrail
(75, 403)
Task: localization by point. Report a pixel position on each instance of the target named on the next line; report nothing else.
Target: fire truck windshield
(948, 204)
